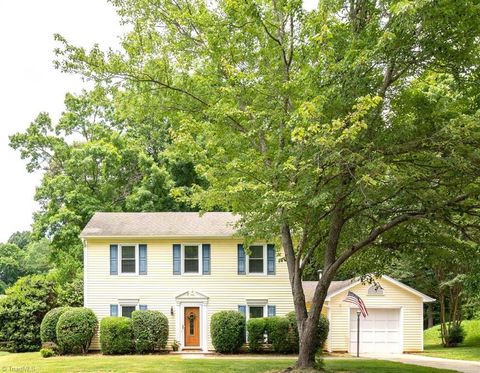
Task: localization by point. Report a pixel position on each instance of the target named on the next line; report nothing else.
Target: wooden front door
(192, 326)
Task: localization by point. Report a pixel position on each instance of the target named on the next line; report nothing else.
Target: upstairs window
(192, 259)
(256, 259)
(128, 259)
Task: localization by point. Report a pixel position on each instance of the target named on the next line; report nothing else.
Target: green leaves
(102, 155)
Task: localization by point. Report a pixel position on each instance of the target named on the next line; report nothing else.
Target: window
(256, 259)
(191, 259)
(127, 311)
(255, 311)
(128, 259)
(375, 290)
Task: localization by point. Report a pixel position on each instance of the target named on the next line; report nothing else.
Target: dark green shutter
(114, 259)
(241, 260)
(177, 253)
(142, 259)
(206, 258)
(270, 259)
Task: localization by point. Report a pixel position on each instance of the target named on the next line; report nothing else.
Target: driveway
(432, 362)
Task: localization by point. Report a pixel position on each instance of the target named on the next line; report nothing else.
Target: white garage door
(379, 331)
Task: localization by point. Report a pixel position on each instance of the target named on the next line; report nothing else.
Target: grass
(175, 364)
(468, 350)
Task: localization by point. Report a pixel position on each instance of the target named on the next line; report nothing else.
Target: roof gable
(338, 287)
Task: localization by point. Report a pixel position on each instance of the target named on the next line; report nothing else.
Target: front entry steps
(192, 351)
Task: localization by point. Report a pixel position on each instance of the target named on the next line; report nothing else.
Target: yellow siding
(224, 287)
(394, 297)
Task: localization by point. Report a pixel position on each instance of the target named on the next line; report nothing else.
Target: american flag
(355, 299)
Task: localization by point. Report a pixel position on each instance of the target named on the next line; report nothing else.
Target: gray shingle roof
(160, 224)
(309, 287)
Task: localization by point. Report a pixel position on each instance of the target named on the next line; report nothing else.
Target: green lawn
(176, 364)
(468, 350)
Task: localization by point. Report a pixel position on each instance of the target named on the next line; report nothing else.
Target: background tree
(21, 239)
(332, 128)
(11, 259)
(95, 159)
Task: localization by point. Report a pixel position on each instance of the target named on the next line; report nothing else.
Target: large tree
(97, 157)
(330, 128)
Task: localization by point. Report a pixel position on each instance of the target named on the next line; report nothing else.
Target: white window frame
(247, 259)
(265, 310)
(247, 312)
(120, 308)
(137, 259)
(200, 259)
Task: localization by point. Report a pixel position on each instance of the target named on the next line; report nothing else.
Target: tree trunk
(429, 315)
(306, 355)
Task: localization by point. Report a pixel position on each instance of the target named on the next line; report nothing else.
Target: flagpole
(358, 333)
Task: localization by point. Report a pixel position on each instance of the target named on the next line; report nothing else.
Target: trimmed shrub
(48, 327)
(322, 331)
(320, 336)
(75, 329)
(150, 330)
(22, 310)
(279, 331)
(47, 352)
(293, 331)
(116, 335)
(455, 336)
(256, 333)
(227, 329)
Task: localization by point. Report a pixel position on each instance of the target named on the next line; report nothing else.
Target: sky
(29, 84)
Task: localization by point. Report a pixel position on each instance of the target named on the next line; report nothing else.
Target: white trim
(401, 331)
(119, 256)
(265, 310)
(180, 325)
(357, 281)
(125, 303)
(329, 337)
(200, 259)
(85, 271)
(422, 311)
(265, 264)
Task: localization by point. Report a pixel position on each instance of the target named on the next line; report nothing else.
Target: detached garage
(395, 316)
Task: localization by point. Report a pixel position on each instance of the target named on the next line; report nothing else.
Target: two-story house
(190, 266)
(181, 264)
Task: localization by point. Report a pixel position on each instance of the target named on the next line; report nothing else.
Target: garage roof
(337, 287)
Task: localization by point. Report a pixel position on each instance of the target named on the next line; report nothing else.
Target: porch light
(171, 311)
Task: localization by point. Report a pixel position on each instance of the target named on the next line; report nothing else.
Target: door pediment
(191, 296)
